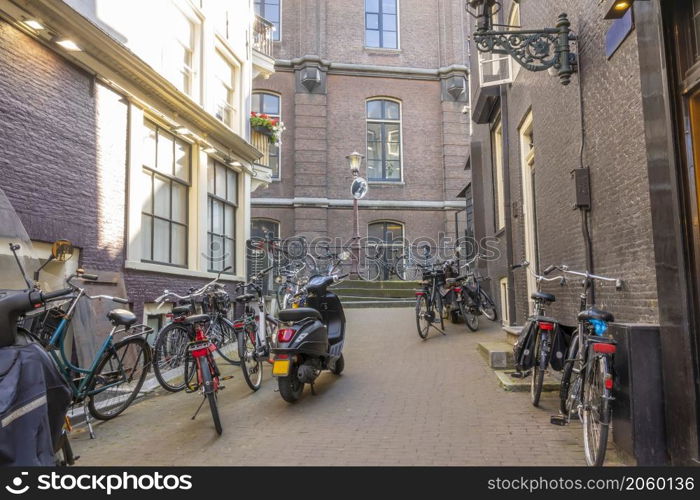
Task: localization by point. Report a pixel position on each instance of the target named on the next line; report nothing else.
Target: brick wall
(614, 151)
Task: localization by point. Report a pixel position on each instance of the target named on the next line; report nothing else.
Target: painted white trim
(279, 116)
(178, 271)
(327, 202)
(530, 224)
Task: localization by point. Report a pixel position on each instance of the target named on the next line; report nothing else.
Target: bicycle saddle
(180, 310)
(121, 317)
(298, 314)
(594, 313)
(246, 297)
(196, 318)
(544, 297)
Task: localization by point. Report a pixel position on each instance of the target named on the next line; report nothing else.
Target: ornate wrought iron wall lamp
(534, 50)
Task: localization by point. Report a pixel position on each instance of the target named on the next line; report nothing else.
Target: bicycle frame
(57, 351)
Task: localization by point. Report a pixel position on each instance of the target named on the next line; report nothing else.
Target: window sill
(178, 271)
(386, 183)
(383, 52)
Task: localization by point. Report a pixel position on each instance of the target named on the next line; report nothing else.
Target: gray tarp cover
(34, 399)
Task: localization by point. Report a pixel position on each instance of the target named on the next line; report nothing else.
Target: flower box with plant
(267, 125)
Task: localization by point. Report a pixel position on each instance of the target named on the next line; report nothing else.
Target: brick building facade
(78, 131)
(618, 120)
(330, 69)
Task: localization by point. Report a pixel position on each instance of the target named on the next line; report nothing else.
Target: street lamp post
(355, 161)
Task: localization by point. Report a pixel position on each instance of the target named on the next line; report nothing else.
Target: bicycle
(170, 346)
(456, 298)
(545, 328)
(255, 331)
(118, 369)
(200, 351)
(429, 307)
(479, 302)
(586, 389)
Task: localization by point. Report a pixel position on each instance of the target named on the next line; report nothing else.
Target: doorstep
(510, 384)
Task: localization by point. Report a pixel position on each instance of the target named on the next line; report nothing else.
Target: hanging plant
(267, 125)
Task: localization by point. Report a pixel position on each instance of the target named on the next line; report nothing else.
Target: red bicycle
(200, 361)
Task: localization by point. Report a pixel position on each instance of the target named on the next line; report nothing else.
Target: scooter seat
(298, 314)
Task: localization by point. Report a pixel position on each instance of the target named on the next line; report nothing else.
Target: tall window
(381, 24)
(166, 172)
(514, 24)
(222, 201)
(225, 90)
(177, 58)
(270, 105)
(270, 10)
(497, 174)
(262, 228)
(383, 140)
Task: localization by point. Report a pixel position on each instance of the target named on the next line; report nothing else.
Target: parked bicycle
(170, 346)
(118, 369)
(543, 330)
(458, 304)
(586, 388)
(429, 306)
(256, 330)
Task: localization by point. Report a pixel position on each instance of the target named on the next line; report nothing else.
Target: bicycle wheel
(565, 401)
(423, 316)
(487, 307)
(225, 340)
(118, 377)
(539, 368)
(470, 319)
(210, 391)
(440, 309)
(407, 270)
(368, 270)
(251, 366)
(596, 410)
(169, 354)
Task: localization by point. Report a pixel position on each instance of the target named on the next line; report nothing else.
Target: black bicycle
(478, 301)
(429, 306)
(586, 390)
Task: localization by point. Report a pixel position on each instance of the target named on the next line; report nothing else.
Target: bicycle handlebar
(588, 276)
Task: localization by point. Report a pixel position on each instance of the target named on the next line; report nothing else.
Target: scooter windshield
(12, 232)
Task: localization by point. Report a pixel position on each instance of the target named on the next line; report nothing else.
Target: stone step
(358, 304)
(391, 284)
(512, 333)
(510, 384)
(398, 293)
(498, 354)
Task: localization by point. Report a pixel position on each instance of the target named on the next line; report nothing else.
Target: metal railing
(262, 35)
(261, 142)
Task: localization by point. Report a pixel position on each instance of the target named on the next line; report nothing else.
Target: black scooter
(310, 339)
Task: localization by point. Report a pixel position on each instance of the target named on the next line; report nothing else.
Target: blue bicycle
(118, 369)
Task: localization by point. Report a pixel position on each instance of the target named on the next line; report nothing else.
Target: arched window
(268, 103)
(262, 228)
(383, 140)
(390, 234)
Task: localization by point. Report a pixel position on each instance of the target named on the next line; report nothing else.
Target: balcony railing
(262, 35)
(261, 142)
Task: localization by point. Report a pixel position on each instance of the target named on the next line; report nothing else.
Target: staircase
(359, 293)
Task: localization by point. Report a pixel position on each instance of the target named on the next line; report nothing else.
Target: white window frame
(374, 120)
(234, 107)
(279, 117)
(503, 287)
(197, 203)
(527, 162)
(496, 61)
(194, 17)
(497, 154)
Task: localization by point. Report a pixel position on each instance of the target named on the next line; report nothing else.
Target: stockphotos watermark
(107, 483)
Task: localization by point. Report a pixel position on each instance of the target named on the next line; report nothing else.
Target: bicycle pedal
(558, 420)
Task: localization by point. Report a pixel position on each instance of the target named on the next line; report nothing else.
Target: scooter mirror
(62, 250)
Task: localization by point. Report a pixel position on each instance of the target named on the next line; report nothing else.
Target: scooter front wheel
(290, 386)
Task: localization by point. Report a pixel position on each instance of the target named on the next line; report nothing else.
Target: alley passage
(400, 401)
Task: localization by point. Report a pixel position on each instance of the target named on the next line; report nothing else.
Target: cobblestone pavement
(400, 401)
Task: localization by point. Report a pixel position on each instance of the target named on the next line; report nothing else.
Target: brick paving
(400, 401)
